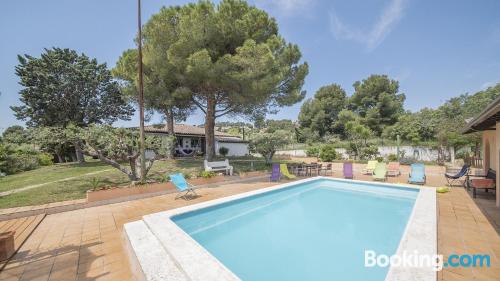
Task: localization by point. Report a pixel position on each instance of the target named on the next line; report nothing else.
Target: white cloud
(285, 7)
(388, 19)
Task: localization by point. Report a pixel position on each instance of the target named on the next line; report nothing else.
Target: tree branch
(231, 109)
(199, 105)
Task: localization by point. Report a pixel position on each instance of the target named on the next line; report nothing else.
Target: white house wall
(235, 148)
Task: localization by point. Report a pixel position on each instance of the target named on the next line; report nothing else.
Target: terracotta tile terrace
(87, 244)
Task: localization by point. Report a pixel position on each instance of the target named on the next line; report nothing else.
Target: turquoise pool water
(317, 230)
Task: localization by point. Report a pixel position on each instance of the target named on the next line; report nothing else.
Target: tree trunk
(169, 115)
(209, 129)
(60, 159)
(79, 154)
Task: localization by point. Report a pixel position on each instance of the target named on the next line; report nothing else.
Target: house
(191, 140)
(488, 122)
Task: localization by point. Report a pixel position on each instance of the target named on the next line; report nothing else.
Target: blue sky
(436, 49)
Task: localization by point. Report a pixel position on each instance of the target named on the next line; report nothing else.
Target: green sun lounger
(370, 167)
(285, 173)
(380, 172)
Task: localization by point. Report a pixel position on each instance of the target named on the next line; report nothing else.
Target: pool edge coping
(198, 264)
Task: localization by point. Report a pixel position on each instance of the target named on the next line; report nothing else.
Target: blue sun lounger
(182, 186)
(417, 174)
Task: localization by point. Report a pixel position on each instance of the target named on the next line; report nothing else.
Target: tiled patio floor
(86, 244)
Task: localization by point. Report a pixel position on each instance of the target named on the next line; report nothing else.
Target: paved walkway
(86, 244)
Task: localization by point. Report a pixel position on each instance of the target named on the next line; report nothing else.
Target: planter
(118, 192)
(244, 175)
(202, 181)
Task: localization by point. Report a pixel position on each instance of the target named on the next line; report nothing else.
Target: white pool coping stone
(186, 259)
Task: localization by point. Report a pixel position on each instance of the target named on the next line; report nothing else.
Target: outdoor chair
(451, 179)
(393, 169)
(300, 169)
(380, 172)
(327, 169)
(417, 174)
(183, 187)
(275, 173)
(314, 168)
(285, 173)
(368, 170)
(347, 169)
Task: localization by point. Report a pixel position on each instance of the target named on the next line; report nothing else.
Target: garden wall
(419, 153)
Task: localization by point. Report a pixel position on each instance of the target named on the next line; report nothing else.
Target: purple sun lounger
(275, 173)
(348, 174)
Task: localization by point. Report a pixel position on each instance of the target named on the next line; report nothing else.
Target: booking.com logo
(437, 262)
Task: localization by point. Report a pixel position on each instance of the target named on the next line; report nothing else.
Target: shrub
(45, 159)
(206, 175)
(164, 178)
(328, 153)
(187, 175)
(379, 159)
(392, 157)
(15, 160)
(312, 151)
(19, 162)
(407, 160)
(223, 151)
(368, 152)
(95, 183)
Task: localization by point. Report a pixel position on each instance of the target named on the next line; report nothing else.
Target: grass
(77, 186)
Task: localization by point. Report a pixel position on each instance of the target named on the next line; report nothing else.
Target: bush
(392, 157)
(379, 159)
(223, 151)
(206, 174)
(369, 152)
(312, 151)
(407, 160)
(19, 162)
(45, 159)
(328, 153)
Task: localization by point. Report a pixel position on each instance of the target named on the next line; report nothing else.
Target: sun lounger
(380, 172)
(451, 179)
(417, 174)
(370, 167)
(182, 186)
(393, 169)
(347, 168)
(285, 173)
(275, 173)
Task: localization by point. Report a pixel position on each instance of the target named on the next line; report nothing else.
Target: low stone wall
(417, 152)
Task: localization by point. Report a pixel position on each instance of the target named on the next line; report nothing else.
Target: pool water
(316, 230)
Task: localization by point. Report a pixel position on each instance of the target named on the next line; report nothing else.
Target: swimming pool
(316, 229)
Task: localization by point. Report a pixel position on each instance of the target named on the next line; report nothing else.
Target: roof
(231, 140)
(183, 130)
(486, 120)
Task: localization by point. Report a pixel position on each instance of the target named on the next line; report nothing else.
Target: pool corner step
(148, 259)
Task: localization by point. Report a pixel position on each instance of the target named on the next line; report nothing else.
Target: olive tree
(119, 147)
(268, 143)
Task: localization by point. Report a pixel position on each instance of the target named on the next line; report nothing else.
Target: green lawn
(77, 187)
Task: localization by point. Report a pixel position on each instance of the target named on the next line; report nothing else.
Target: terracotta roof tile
(183, 129)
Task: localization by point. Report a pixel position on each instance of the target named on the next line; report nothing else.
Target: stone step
(148, 259)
